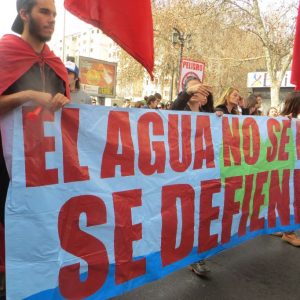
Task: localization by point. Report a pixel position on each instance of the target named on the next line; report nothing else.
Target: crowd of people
(31, 72)
(197, 97)
(202, 100)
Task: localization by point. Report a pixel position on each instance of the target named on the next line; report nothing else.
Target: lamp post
(179, 38)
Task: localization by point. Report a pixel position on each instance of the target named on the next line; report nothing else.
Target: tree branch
(235, 59)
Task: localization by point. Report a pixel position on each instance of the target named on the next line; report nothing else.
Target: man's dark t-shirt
(40, 77)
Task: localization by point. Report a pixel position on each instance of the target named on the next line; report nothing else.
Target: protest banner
(190, 68)
(102, 201)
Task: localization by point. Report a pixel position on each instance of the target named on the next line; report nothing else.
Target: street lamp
(179, 38)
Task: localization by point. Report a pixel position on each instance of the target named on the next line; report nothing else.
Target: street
(263, 268)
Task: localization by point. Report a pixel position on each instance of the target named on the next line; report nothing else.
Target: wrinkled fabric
(128, 22)
(17, 57)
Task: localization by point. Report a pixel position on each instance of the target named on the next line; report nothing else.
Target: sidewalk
(264, 268)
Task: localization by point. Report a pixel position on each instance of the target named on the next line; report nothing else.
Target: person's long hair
(209, 106)
(77, 84)
(251, 104)
(291, 104)
(224, 98)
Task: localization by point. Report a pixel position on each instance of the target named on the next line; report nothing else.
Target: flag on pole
(128, 22)
(296, 55)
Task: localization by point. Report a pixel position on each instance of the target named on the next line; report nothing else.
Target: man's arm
(9, 102)
(184, 97)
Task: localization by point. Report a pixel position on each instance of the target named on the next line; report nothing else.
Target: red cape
(17, 57)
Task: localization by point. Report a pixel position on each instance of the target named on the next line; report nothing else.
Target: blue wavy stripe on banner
(156, 271)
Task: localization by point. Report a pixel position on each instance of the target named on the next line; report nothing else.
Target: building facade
(259, 83)
(93, 43)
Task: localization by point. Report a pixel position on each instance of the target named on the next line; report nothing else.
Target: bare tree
(231, 36)
(228, 51)
(275, 32)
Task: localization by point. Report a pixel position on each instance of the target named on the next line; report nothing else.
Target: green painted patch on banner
(261, 165)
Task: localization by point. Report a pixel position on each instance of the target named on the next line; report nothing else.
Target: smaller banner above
(190, 68)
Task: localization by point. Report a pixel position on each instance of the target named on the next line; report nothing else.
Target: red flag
(128, 22)
(296, 56)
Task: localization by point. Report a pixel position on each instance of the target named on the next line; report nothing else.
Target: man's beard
(34, 30)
